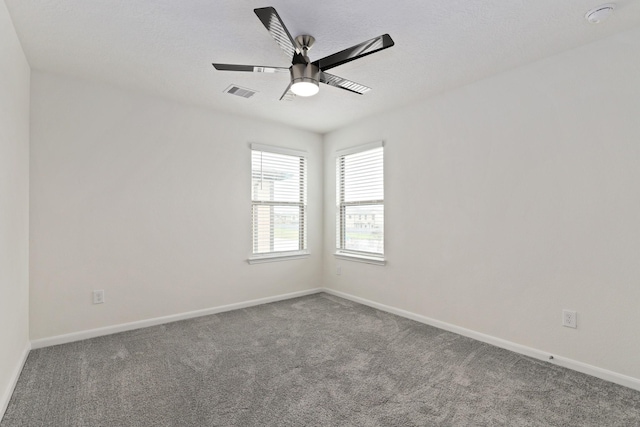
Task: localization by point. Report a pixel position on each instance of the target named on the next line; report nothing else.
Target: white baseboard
(8, 392)
(108, 330)
(594, 371)
(614, 377)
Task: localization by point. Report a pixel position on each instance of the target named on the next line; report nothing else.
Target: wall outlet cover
(98, 297)
(569, 319)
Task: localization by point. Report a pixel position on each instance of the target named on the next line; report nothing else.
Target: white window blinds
(360, 200)
(279, 198)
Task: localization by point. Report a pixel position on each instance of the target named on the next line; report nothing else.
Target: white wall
(511, 199)
(14, 206)
(149, 200)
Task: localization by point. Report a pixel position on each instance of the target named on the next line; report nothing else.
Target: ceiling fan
(305, 75)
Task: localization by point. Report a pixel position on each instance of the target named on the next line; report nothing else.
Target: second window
(360, 200)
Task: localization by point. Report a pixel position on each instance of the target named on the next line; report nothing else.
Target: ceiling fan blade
(250, 68)
(272, 22)
(345, 84)
(355, 52)
(288, 95)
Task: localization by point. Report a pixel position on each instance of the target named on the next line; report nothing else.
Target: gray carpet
(311, 361)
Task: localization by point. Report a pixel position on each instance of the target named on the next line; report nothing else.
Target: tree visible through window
(278, 197)
(360, 200)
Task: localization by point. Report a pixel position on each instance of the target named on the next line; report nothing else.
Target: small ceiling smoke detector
(600, 13)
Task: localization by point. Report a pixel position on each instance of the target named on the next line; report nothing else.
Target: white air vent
(240, 91)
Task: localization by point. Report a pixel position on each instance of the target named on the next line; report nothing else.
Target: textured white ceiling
(166, 47)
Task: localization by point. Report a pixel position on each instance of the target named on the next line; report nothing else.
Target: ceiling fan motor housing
(305, 73)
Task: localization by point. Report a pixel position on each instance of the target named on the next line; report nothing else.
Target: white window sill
(348, 256)
(277, 257)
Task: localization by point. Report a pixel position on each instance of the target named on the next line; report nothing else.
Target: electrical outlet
(339, 270)
(569, 319)
(98, 297)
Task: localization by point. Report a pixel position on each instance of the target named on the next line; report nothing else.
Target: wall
(511, 199)
(149, 200)
(14, 207)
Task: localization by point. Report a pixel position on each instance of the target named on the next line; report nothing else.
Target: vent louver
(240, 91)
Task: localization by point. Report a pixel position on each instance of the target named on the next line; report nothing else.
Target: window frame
(341, 206)
(302, 251)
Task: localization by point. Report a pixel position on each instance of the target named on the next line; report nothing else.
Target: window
(278, 199)
(360, 194)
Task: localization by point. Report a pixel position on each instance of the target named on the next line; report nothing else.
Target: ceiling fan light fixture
(304, 79)
(305, 87)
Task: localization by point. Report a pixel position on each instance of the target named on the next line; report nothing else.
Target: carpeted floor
(312, 361)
